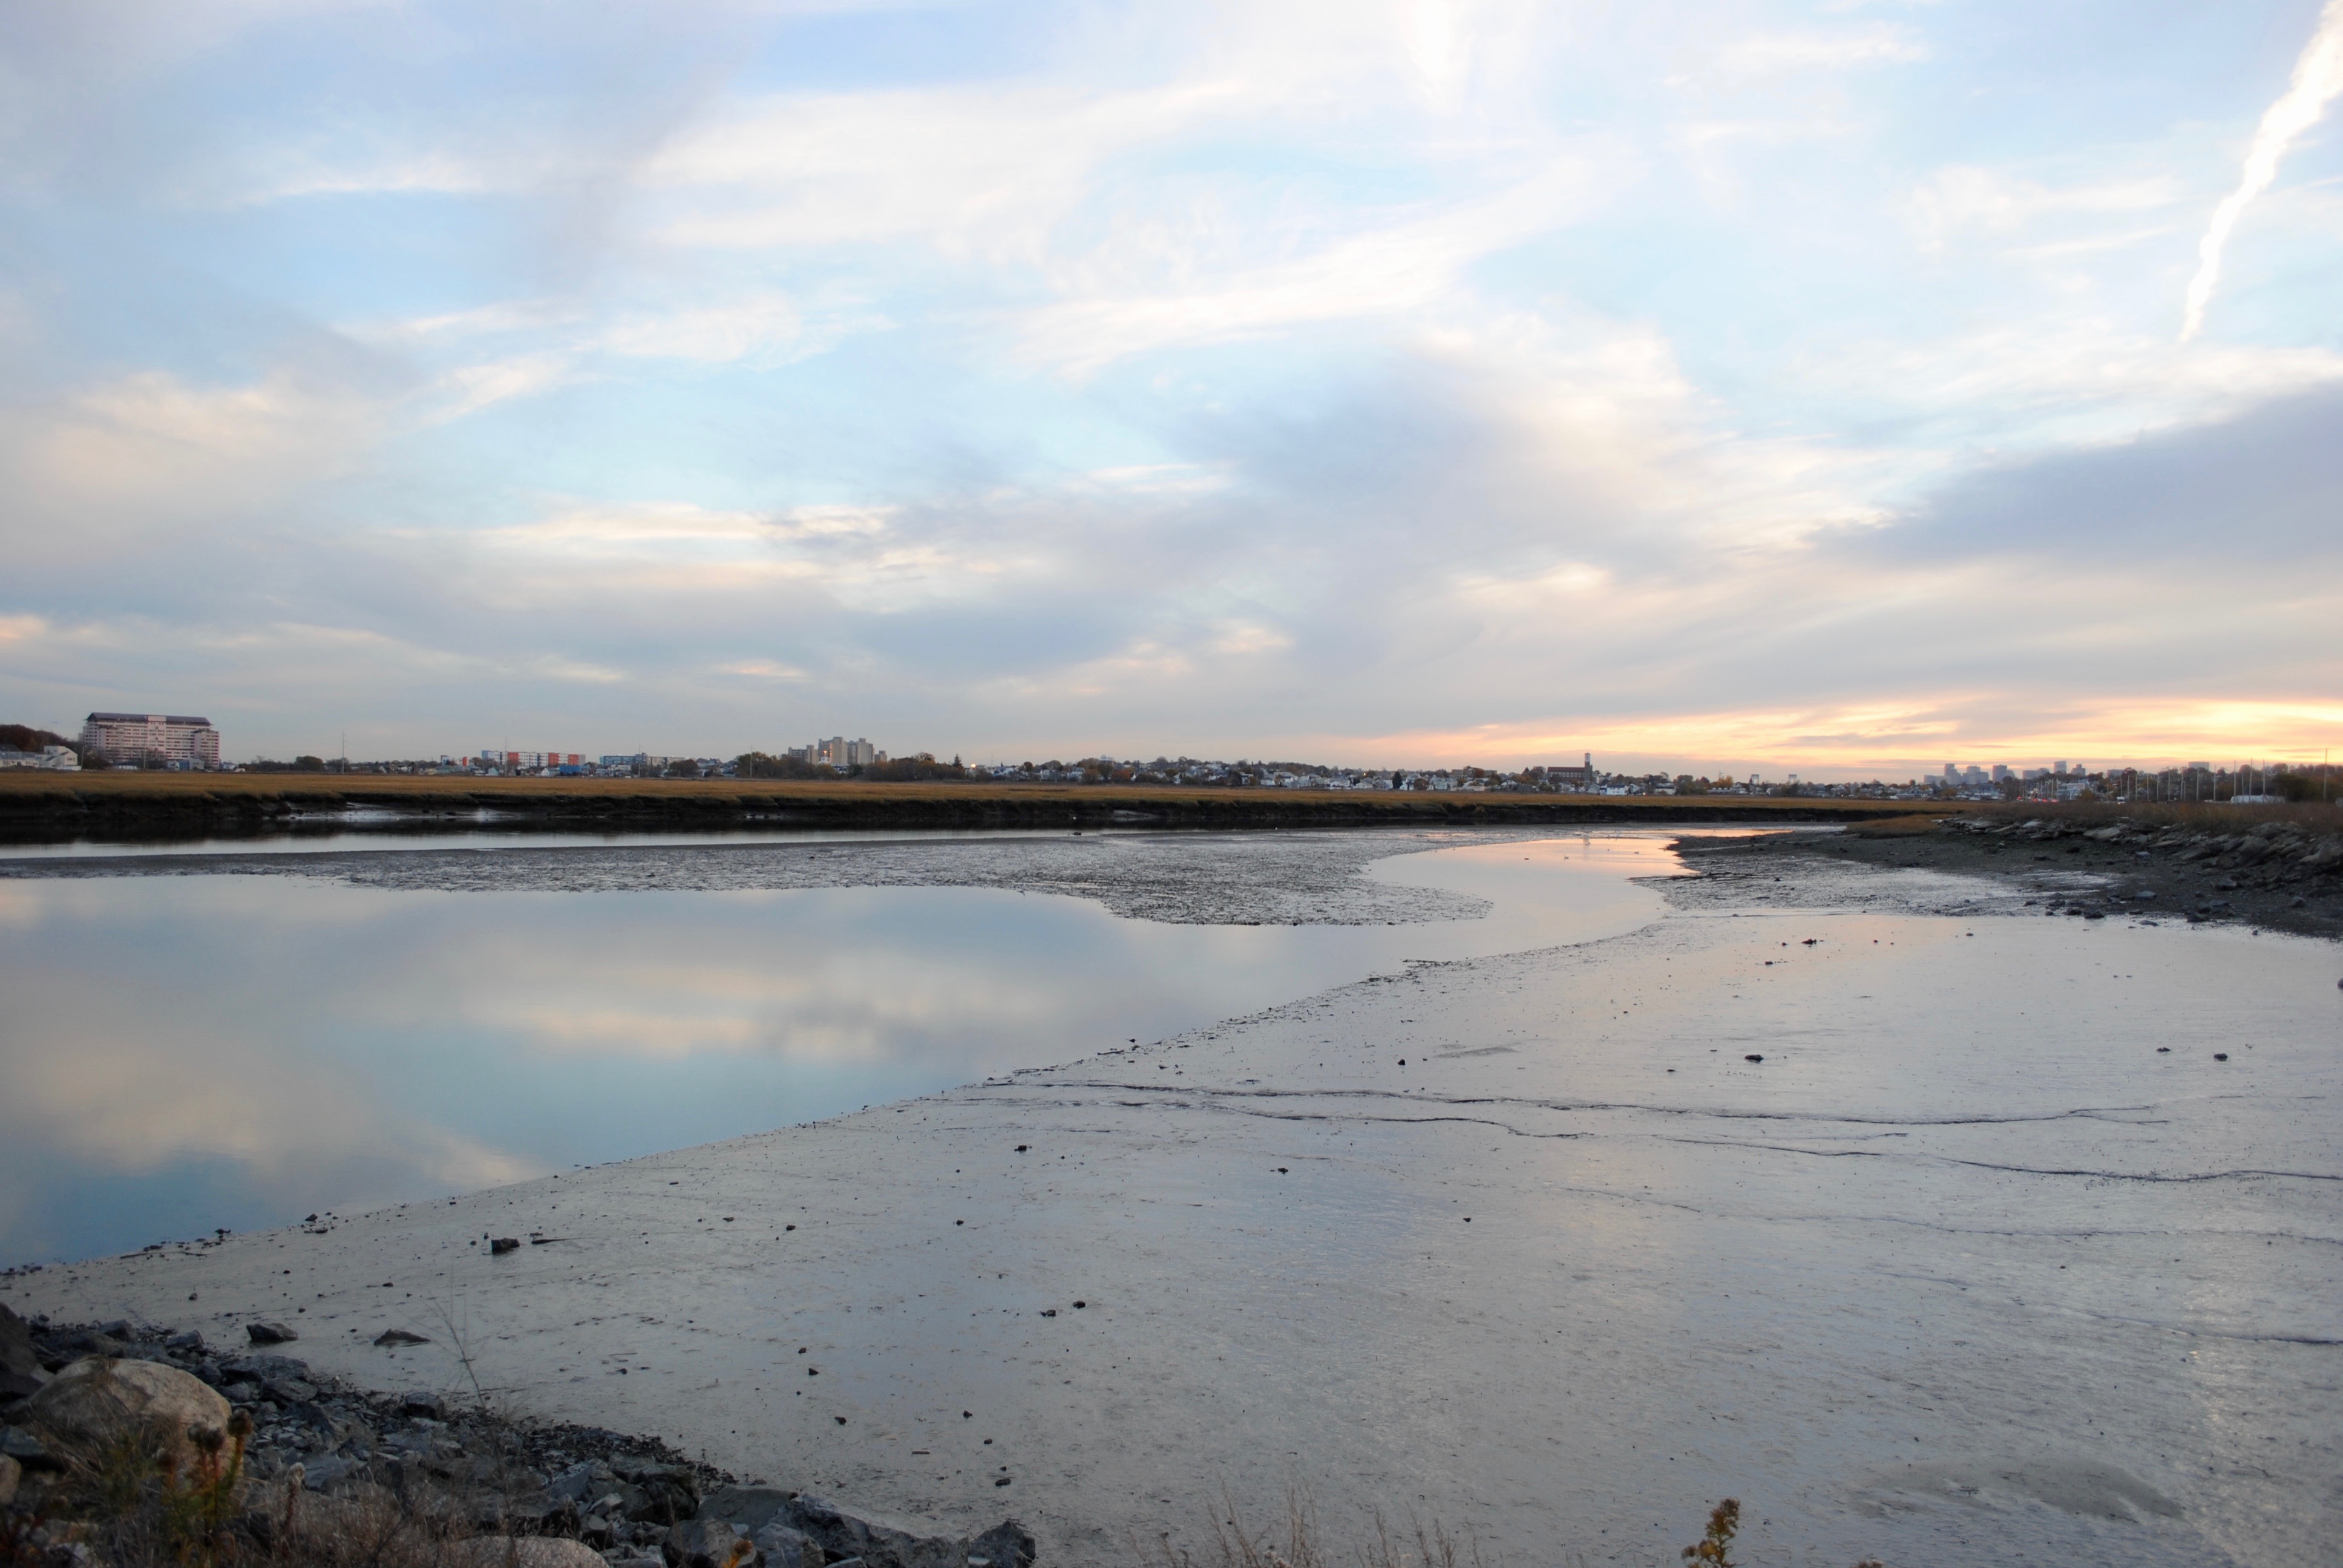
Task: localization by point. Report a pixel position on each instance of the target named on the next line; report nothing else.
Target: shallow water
(186, 1052)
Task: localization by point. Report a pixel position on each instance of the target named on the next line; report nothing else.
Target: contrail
(2317, 77)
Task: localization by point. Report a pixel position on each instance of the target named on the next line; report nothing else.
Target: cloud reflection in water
(187, 1052)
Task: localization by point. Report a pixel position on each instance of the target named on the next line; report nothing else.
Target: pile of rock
(2283, 872)
(579, 1497)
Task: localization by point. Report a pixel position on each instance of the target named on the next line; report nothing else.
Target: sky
(1838, 388)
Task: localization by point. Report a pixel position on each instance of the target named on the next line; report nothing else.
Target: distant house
(57, 758)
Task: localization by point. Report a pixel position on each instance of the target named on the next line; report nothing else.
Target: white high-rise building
(165, 737)
(839, 752)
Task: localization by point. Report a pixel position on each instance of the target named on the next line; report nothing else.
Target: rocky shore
(469, 1483)
(2284, 873)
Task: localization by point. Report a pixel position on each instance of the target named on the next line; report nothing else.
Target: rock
(522, 1551)
(11, 1472)
(707, 1544)
(289, 1390)
(429, 1406)
(27, 1450)
(261, 1369)
(669, 1496)
(270, 1334)
(1006, 1545)
(187, 1342)
(751, 1508)
(18, 1358)
(101, 1397)
(577, 1484)
(504, 1244)
(394, 1337)
(324, 1471)
(782, 1546)
(884, 1543)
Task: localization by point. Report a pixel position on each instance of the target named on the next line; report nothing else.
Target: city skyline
(1782, 388)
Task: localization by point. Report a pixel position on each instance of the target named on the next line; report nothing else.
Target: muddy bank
(2280, 875)
(1274, 877)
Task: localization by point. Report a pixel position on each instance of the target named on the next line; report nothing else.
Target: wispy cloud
(2318, 79)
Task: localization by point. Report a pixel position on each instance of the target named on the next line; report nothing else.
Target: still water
(186, 1052)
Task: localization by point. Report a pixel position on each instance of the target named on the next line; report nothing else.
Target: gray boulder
(784, 1546)
(886, 1543)
(270, 1334)
(708, 1544)
(21, 1373)
(261, 1369)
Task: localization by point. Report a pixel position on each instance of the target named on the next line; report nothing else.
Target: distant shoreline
(134, 807)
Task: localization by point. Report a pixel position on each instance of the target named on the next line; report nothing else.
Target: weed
(1723, 1525)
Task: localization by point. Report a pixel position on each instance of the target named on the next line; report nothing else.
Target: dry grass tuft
(132, 1504)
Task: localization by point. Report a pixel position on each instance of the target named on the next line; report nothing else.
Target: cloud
(142, 457)
(1967, 197)
(2252, 492)
(1763, 54)
(2318, 79)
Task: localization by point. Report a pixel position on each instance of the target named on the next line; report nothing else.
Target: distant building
(836, 752)
(165, 737)
(528, 761)
(1581, 778)
(57, 758)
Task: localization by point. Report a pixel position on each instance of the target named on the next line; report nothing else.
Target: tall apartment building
(166, 737)
(836, 752)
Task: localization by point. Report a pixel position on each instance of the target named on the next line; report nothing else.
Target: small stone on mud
(1752, 1056)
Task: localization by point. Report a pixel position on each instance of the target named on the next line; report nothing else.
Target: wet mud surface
(1300, 877)
(1931, 1232)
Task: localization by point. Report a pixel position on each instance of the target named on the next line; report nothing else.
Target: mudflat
(1932, 1229)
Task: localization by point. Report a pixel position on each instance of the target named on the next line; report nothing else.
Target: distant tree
(757, 765)
(308, 764)
(912, 770)
(24, 737)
